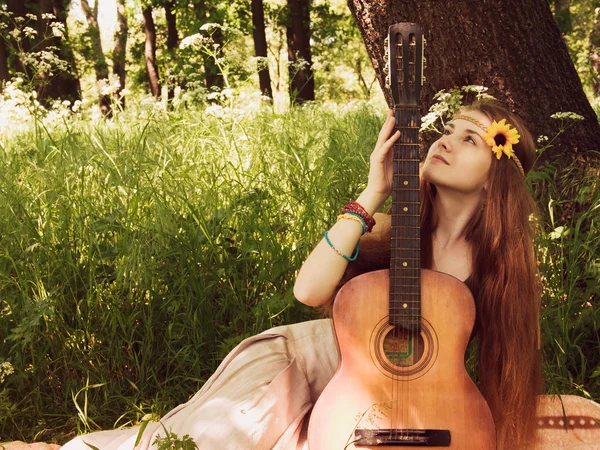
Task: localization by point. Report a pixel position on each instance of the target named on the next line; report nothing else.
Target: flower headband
(500, 136)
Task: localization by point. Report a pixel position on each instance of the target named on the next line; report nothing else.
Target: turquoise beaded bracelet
(340, 253)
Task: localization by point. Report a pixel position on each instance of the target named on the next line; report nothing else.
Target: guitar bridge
(402, 438)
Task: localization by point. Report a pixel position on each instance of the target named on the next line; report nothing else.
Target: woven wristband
(355, 217)
(354, 207)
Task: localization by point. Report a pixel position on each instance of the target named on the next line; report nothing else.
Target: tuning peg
(424, 63)
(386, 42)
(424, 42)
(387, 80)
(386, 69)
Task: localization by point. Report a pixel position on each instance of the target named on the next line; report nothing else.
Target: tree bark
(4, 73)
(100, 65)
(260, 47)
(63, 85)
(119, 51)
(150, 52)
(515, 48)
(172, 40)
(302, 82)
(213, 77)
(18, 8)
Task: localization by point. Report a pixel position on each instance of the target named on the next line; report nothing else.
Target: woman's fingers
(382, 150)
(386, 129)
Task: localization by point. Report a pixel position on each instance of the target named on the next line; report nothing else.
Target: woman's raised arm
(323, 269)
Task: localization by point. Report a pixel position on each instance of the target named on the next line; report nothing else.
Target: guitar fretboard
(405, 265)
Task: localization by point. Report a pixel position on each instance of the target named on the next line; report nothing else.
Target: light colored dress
(260, 397)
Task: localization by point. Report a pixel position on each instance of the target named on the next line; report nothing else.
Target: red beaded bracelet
(356, 208)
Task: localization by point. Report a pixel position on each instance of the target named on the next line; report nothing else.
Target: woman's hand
(381, 162)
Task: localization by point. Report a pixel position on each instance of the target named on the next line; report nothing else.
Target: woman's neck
(453, 212)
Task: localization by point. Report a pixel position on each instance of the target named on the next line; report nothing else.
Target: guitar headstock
(404, 49)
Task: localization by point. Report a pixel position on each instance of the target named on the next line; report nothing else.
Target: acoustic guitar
(402, 332)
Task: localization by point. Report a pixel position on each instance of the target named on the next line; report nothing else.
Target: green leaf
(141, 432)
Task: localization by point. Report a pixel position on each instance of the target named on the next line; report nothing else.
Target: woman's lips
(441, 158)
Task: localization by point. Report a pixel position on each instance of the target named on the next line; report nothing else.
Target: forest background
(168, 165)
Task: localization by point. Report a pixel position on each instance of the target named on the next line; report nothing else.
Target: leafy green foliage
(136, 253)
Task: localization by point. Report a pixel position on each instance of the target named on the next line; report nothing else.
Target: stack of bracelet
(353, 211)
(355, 208)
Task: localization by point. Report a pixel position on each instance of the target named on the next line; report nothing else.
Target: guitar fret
(404, 279)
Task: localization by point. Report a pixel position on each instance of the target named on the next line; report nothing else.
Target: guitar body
(430, 391)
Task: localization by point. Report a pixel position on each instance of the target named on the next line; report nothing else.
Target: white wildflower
(58, 29)
(192, 40)
(568, 115)
(542, 139)
(208, 26)
(6, 369)
(557, 233)
(15, 33)
(215, 110)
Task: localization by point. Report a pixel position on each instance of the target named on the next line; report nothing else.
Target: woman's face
(460, 159)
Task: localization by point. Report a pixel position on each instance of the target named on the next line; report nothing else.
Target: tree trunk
(260, 47)
(4, 73)
(512, 47)
(18, 8)
(119, 51)
(302, 82)
(150, 52)
(63, 85)
(100, 65)
(213, 77)
(172, 40)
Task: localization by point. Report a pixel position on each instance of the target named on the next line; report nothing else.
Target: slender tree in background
(18, 8)
(172, 39)
(302, 82)
(4, 73)
(150, 51)
(593, 49)
(119, 51)
(207, 12)
(513, 47)
(100, 65)
(64, 84)
(260, 47)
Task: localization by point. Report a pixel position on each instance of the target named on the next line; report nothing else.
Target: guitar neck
(405, 265)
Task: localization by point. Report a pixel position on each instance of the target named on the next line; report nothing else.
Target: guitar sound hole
(402, 347)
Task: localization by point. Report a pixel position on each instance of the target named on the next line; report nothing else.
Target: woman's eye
(469, 138)
(446, 131)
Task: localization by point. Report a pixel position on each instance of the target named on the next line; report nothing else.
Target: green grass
(569, 256)
(136, 253)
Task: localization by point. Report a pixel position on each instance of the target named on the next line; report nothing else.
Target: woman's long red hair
(504, 282)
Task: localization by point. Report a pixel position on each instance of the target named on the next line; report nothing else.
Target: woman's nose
(445, 142)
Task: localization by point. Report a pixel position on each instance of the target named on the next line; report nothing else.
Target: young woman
(475, 225)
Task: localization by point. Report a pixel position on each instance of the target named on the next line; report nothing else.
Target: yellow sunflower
(501, 137)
